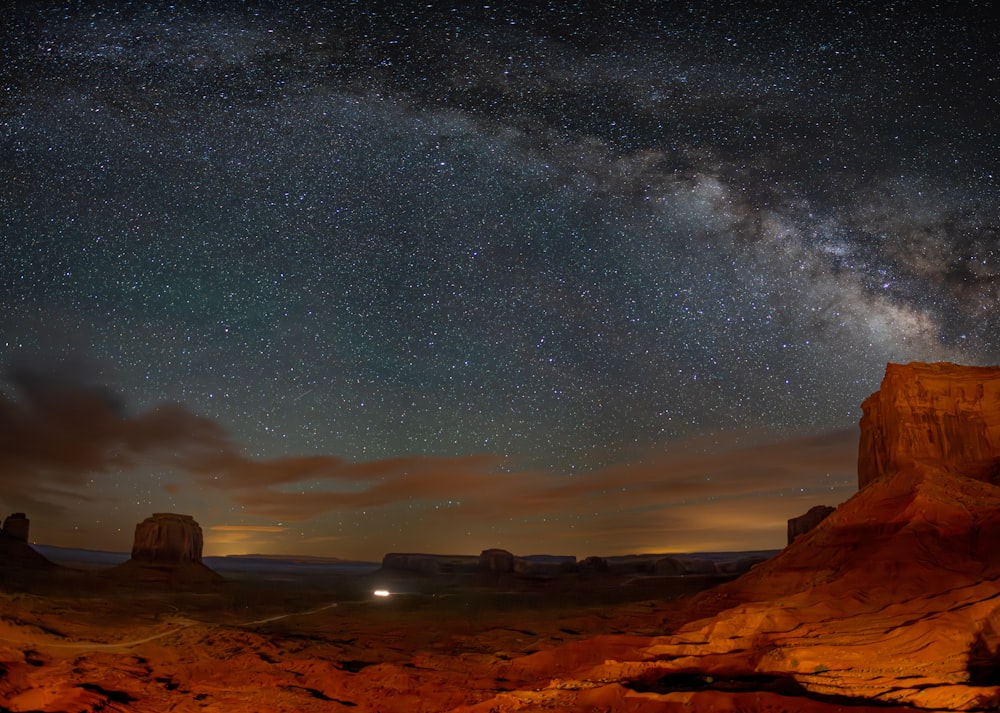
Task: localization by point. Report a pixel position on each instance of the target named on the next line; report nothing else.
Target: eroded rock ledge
(940, 415)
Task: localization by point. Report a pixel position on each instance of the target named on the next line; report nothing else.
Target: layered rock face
(428, 564)
(941, 415)
(166, 538)
(166, 550)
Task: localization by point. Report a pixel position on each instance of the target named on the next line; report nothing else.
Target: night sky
(382, 277)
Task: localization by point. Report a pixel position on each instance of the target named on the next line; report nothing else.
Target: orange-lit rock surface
(166, 550)
(892, 602)
(271, 646)
(942, 415)
(893, 599)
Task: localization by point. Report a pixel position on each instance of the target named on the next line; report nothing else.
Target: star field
(582, 245)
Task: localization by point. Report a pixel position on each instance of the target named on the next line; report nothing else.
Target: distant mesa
(16, 525)
(15, 552)
(420, 563)
(593, 563)
(166, 550)
(489, 561)
(804, 523)
(496, 561)
(166, 538)
(941, 416)
(705, 564)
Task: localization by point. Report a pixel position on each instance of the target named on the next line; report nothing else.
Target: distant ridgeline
(498, 561)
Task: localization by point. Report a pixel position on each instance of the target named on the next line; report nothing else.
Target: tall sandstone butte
(941, 415)
(167, 538)
(166, 551)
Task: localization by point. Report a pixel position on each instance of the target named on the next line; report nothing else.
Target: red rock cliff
(940, 415)
(166, 538)
(166, 552)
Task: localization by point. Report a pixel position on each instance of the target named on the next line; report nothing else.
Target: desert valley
(890, 601)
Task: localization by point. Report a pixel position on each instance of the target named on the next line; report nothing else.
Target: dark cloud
(60, 428)
(58, 432)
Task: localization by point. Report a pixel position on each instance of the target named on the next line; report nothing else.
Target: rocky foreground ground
(331, 646)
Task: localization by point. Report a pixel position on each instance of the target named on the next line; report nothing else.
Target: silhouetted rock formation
(804, 523)
(15, 552)
(166, 550)
(493, 561)
(166, 538)
(16, 525)
(421, 563)
(942, 415)
(678, 565)
(594, 564)
(497, 561)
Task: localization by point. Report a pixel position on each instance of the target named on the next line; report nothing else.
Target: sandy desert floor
(77, 642)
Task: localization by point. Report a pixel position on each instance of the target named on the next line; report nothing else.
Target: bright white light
(381, 592)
